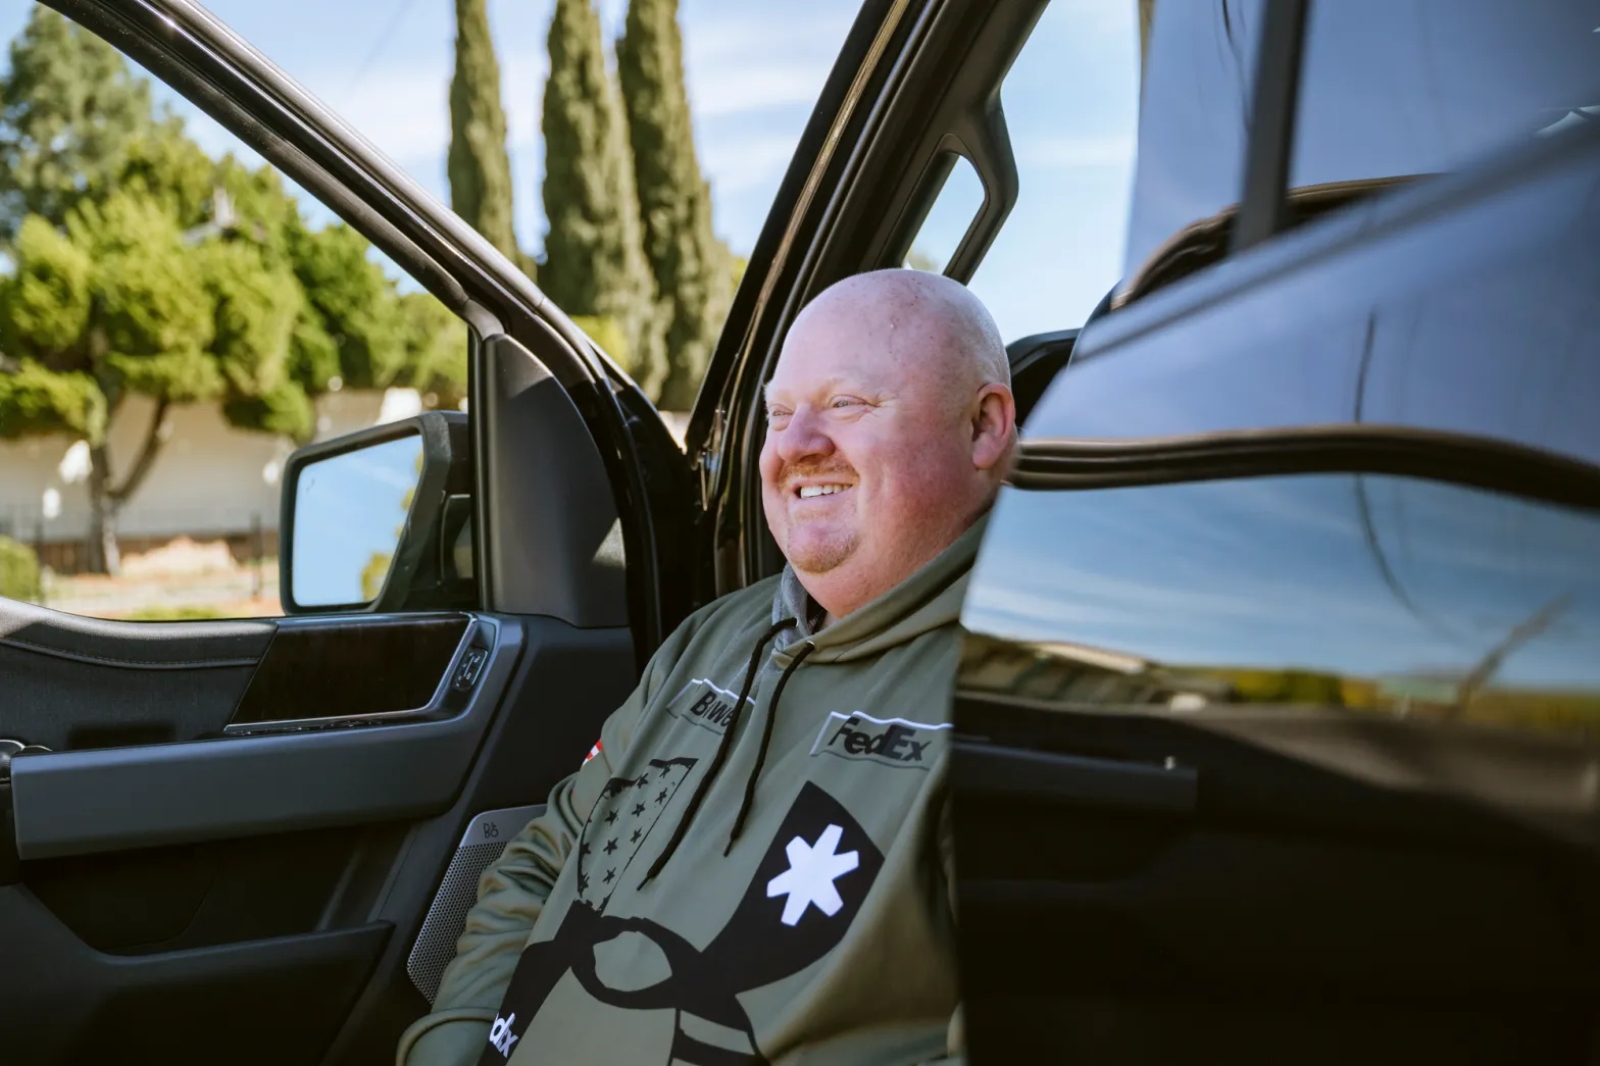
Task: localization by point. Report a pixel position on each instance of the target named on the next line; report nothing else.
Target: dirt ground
(182, 579)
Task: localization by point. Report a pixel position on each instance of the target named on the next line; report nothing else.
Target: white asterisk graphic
(813, 868)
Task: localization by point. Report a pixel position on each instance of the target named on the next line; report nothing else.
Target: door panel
(168, 882)
(566, 682)
(1260, 927)
(75, 803)
(1368, 646)
(1318, 749)
(76, 683)
(79, 1005)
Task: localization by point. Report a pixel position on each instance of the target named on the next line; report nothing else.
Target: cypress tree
(594, 262)
(479, 168)
(692, 269)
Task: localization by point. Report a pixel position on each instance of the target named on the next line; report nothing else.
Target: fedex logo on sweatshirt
(890, 741)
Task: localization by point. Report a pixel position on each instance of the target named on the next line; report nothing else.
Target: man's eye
(845, 401)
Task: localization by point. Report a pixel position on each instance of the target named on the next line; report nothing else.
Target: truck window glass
(1409, 87)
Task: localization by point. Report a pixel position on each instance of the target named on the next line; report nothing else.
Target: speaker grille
(483, 843)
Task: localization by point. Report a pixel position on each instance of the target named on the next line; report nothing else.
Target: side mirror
(380, 520)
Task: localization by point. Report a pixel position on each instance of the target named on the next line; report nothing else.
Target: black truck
(1278, 721)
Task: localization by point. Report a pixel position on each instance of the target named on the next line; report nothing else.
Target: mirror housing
(432, 564)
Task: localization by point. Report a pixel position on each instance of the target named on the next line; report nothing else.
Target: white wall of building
(209, 478)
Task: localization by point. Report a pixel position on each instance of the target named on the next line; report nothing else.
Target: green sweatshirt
(726, 881)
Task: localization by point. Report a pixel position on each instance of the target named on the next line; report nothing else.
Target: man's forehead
(818, 369)
(800, 383)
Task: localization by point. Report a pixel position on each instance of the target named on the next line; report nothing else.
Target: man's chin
(818, 555)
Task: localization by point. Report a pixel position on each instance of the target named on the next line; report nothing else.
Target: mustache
(813, 468)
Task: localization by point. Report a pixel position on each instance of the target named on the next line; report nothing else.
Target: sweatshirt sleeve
(512, 893)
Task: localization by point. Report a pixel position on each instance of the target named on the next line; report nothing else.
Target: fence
(64, 551)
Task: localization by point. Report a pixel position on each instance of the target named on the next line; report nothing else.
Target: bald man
(753, 863)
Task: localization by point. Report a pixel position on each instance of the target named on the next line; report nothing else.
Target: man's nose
(804, 437)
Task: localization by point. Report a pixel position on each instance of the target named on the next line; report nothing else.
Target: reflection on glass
(1194, 109)
(1375, 594)
(348, 515)
(959, 201)
(1392, 87)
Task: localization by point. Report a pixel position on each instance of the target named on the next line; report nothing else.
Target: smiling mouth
(808, 492)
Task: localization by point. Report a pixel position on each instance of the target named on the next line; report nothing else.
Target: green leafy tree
(354, 332)
(70, 109)
(594, 259)
(479, 168)
(436, 346)
(116, 305)
(692, 269)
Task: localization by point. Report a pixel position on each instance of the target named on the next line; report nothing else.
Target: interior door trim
(114, 799)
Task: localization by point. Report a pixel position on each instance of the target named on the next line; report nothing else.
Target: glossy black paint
(1367, 634)
(1465, 303)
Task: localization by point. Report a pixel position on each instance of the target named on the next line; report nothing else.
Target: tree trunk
(105, 502)
(100, 548)
(1147, 19)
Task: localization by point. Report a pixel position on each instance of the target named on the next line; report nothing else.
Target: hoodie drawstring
(766, 739)
(722, 751)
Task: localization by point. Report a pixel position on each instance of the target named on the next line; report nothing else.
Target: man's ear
(994, 426)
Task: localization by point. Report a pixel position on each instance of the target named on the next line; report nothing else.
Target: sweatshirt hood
(928, 599)
(931, 597)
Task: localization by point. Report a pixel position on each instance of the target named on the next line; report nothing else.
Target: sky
(754, 71)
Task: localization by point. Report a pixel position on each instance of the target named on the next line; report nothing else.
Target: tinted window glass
(1193, 117)
(1378, 594)
(1395, 87)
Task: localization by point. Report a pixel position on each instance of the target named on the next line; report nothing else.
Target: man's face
(867, 469)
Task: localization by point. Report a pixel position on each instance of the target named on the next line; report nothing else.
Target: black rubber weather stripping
(1272, 119)
(1479, 462)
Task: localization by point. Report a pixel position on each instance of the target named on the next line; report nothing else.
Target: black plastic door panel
(157, 897)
